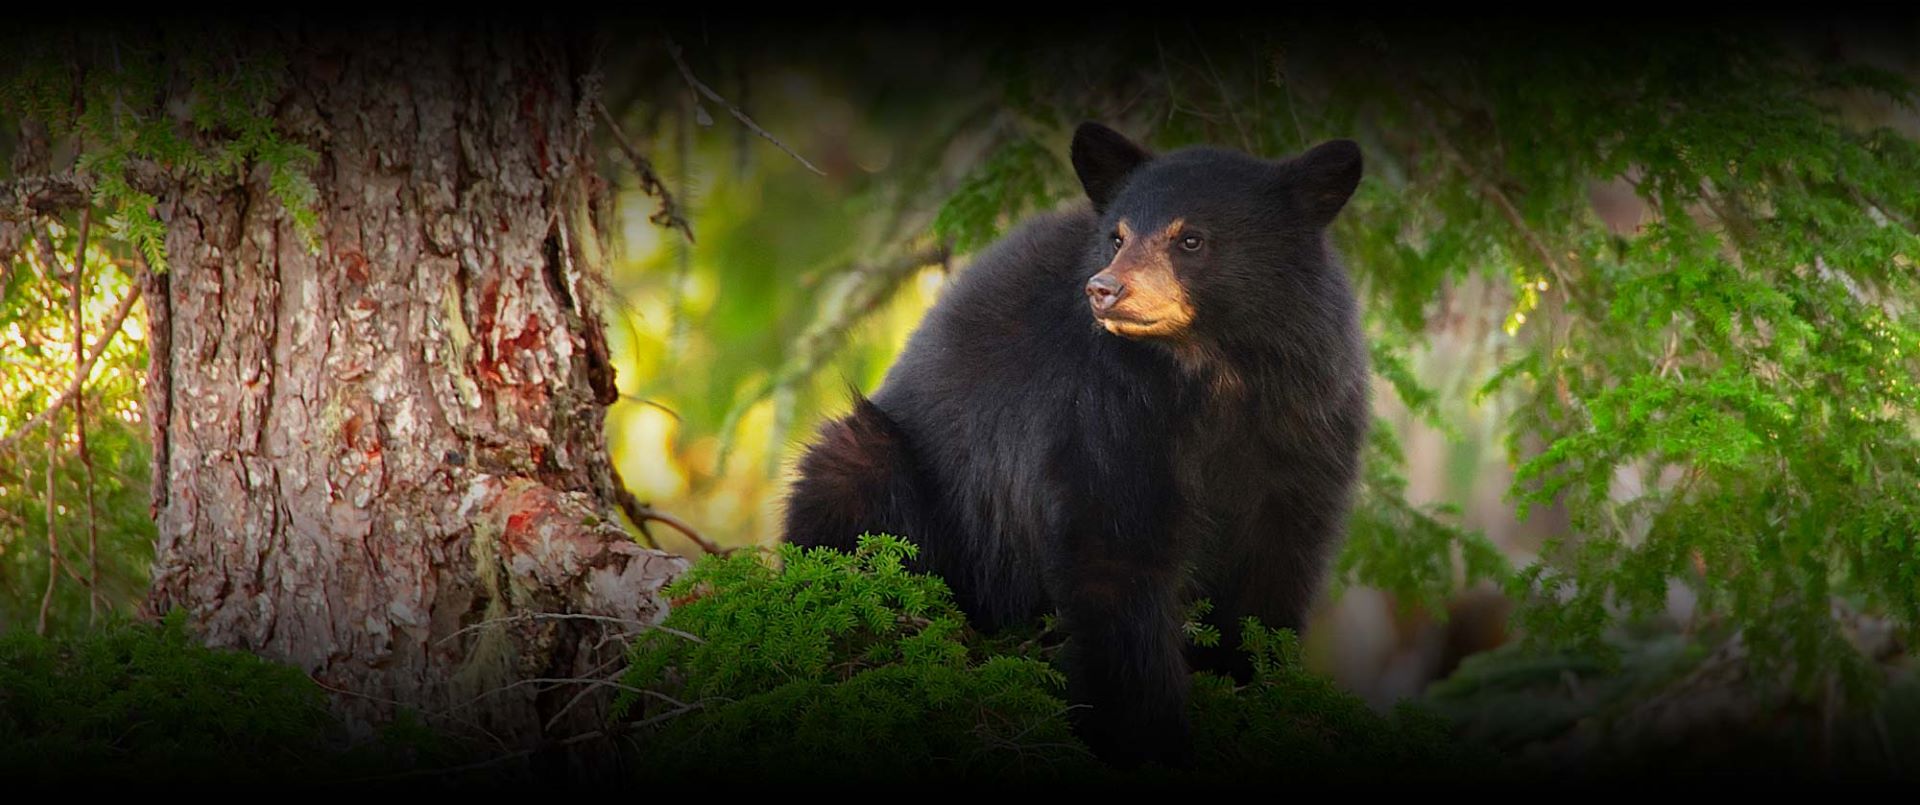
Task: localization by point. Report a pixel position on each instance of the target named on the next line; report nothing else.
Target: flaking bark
(364, 449)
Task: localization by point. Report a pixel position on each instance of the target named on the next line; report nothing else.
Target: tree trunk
(374, 440)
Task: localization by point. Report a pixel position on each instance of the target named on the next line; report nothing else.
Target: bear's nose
(1104, 292)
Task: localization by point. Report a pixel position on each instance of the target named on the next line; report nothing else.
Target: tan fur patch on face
(1155, 304)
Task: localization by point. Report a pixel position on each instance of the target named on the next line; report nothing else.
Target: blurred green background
(1580, 254)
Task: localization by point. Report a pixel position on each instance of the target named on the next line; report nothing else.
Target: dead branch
(559, 681)
(400, 705)
(34, 196)
(533, 616)
(703, 89)
(585, 690)
(30, 197)
(669, 214)
(76, 289)
(640, 513)
(53, 540)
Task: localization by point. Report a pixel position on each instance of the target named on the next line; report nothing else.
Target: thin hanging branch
(74, 296)
(53, 540)
(669, 214)
(100, 345)
(703, 89)
(682, 257)
(76, 278)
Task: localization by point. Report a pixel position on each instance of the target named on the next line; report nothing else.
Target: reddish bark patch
(530, 339)
(489, 308)
(523, 508)
(355, 265)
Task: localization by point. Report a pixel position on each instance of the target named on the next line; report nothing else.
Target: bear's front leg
(1126, 668)
(1271, 568)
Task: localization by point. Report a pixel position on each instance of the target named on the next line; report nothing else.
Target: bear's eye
(1118, 242)
(1190, 243)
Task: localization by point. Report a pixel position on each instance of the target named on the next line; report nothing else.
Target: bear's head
(1207, 241)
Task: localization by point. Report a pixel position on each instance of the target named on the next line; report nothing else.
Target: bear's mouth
(1141, 319)
(1133, 327)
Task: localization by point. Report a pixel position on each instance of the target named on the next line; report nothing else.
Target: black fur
(1041, 462)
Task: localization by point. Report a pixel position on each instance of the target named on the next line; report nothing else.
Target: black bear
(1120, 408)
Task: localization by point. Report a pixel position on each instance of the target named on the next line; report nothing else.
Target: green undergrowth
(824, 666)
(133, 704)
(827, 667)
(837, 666)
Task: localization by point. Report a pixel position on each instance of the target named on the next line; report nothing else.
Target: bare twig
(1494, 194)
(558, 681)
(1226, 98)
(80, 414)
(669, 214)
(532, 616)
(640, 513)
(80, 365)
(100, 344)
(53, 541)
(653, 404)
(67, 567)
(646, 534)
(703, 89)
(584, 689)
(442, 716)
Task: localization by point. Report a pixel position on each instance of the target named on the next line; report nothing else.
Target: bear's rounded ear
(1103, 158)
(1322, 179)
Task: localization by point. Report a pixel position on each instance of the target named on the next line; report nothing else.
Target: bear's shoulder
(1027, 282)
(1014, 321)
(1045, 249)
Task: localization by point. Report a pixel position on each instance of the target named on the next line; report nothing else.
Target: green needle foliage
(107, 92)
(836, 665)
(1722, 398)
(850, 666)
(1750, 353)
